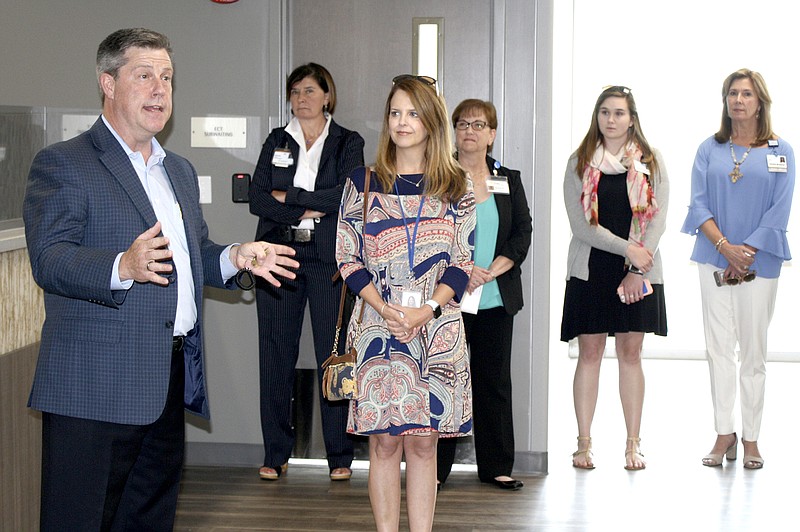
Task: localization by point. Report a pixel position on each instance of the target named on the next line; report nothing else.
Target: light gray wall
(493, 49)
(228, 62)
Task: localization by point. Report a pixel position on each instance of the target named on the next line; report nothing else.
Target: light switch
(205, 188)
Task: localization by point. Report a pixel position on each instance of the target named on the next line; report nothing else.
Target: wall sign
(219, 132)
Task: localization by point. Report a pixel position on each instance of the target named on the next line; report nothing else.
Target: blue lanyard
(411, 242)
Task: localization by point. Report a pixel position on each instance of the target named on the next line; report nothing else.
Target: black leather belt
(290, 234)
(177, 343)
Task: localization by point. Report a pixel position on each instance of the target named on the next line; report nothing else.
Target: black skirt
(593, 306)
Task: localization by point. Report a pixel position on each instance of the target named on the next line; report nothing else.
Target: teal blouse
(486, 228)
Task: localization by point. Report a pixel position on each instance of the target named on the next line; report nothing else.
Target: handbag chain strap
(335, 351)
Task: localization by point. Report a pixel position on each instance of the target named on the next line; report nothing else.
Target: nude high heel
(752, 461)
(714, 460)
(587, 453)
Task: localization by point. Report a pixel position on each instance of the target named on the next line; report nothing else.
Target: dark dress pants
(108, 476)
(489, 334)
(280, 324)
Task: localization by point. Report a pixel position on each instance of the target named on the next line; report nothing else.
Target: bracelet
(634, 269)
(720, 242)
(382, 308)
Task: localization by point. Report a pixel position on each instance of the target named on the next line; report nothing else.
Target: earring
(325, 108)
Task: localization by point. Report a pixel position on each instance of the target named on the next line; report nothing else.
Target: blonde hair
(764, 117)
(444, 177)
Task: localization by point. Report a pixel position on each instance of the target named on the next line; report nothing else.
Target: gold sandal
(586, 452)
(636, 455)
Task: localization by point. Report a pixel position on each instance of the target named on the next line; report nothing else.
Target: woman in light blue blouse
(742, 184)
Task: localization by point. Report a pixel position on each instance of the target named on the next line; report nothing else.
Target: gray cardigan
(585, 236)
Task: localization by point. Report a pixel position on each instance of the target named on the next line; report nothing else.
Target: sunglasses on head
(617, 88)
(427, 80)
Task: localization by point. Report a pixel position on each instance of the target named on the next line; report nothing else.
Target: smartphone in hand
(647, 289)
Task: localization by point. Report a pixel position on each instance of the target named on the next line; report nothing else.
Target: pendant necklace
(411, 182)
(736, 175)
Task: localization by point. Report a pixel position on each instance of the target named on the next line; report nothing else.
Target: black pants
(108, 476)
(280, 324)
(489, 335)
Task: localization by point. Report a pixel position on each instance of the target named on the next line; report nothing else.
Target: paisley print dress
(424, 385)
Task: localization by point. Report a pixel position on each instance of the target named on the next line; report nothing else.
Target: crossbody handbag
(338, 371)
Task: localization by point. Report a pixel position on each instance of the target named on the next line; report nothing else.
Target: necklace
(736, 175)
(310, 139)
(411, 182)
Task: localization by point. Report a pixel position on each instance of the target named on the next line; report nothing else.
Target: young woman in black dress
(616, 192)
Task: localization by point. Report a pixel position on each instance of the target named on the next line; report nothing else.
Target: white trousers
(737, 315)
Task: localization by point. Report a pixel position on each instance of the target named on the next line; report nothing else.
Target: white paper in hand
(470, 302)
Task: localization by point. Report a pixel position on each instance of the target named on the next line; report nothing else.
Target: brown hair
(444, 178)
(473, 106)
(111, 52)
(764, 132)
(319, 74)
(593, 136)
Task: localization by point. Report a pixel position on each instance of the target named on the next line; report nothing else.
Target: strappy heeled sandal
(752, 461)
(635, 455)
(714, 459)
(587, 454)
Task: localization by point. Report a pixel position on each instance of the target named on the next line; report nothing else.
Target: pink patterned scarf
(640, 193)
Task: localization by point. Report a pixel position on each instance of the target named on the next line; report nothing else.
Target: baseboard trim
(252, 455)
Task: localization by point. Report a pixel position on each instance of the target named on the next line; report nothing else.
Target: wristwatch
(437, 310)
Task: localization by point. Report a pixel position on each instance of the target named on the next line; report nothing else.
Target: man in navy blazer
(117, 241)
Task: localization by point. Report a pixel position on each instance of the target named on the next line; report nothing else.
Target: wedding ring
(148, 265)
(266, 250)
(254, 262)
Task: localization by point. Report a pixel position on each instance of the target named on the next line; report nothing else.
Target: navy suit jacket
(105, 355)
(342, 152)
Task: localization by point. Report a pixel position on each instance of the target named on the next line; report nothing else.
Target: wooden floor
(675, 496)
(674, 493)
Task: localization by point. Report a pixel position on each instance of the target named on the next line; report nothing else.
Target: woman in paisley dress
(412, 371)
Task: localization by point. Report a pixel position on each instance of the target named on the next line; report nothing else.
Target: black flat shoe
(507, 484)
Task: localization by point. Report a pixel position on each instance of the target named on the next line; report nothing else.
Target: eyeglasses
(477, 125)
(617, 88)
(719, 277)
(427, 80)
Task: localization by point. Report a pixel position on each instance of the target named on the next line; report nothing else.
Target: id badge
(498, 184)
(282, 157)
(411, 298)
(777, 163)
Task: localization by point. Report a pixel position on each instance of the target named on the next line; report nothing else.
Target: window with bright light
(674, 56)
(427, 48)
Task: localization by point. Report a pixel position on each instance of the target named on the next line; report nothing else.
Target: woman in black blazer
(296, 191)
(502, 239)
